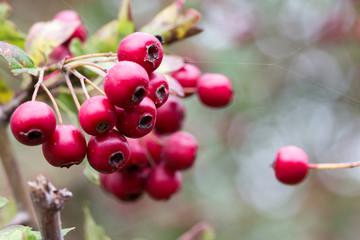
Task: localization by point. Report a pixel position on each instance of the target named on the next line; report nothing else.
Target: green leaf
(170, 63)
(3, 202)
(5, 92)
(126, 24)
(43, 37)
(65, 231)
(92, 230)
(76, 47)
(173, 25)
(17, 232)
(66, 104)
(91, 174)
(18, 61)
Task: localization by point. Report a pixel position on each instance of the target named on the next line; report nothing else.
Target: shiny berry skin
(163, 183)
(33, 123)
(108, 153)
(291, 165)
(138, 121)
(158, 89)
(71, 17)
(142, 48)
(170, 116)
(214, 90)
(179, 151)
(127, 187)
(154, 145)
(97, 116)
(138, 158)
(126, 84)
(66, 147)
(187, 76)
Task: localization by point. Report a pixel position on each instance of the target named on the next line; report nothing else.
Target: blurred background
(295, 72)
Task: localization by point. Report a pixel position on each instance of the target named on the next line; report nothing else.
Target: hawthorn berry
(153, 144)
(71, 17)
(158, 89)
(291, 165)
(66, 146)
(187, 76)
(163, 183)
(33, 123)
(214, 90)
(142, 48)
(59, 53)
(138, 121)
(97, 116)
(108, 153)
(179, 151)
(138, 158)
(170, 116)
(126, 84)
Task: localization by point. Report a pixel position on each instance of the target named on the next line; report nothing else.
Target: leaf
(173, 25)
(91, 174)
(76, 47)
(126, 24)
(66, 103)
(18, 61)
(5, 92)
(174, 86)
(170, 63)
(3, 202)
(43, 37)
(8, 31)
(64, 231)
(201, 231)
(17, 232)
(92, 230)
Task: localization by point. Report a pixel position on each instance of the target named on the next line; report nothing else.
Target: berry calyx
(97, 116)
(158, 89)
(170, 116)
(142, 48)
(179, 151)
(66, 146)
(33, 123)
(138, 121)
(108, 153)
(214, 90)
(187, 76)
(291, 165)
(126, 84)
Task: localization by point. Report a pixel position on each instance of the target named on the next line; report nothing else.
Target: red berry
(138, 158)
(71, 17)
(108, 153)
(170, 116)
(33, 123)
(214, 90)
(291, 165)
(59, 53)
(97, 116)
(179, 151)
(158, 89)
(127, 187)
(154, 145)
(104, 181)
(66, 147)
(126, 84)
(138, 121)
(187, 76)
(163, 183)
(142, 48)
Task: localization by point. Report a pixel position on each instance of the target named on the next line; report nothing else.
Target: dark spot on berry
(102, 126)
(116, 159)
(35, 135)
(139, 94)
(152, 53)
(161, 93)
(145, 122)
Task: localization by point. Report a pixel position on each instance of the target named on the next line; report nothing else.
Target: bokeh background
(295, 71)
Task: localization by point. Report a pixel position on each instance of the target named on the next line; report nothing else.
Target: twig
(48, 201)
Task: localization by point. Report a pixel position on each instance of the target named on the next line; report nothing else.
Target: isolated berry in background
(214, 90)
(59, 53)
(170, 116)
(71, 17)
(97, 116)
(126, 84)
(158, 89)
(179, 151)
(142, 48)
(66, 146)
(104, 180)
(138, 157)
(138, 121)
(33, 123)
(163, 183)
(187, 76)
(153, 144)
(291, 165)
(108, 153)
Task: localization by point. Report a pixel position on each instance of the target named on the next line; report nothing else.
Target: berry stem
(79, 64)
(84, 88)
(94, 55)
(333, 165)
(53, 102)
(80, 76)
(189, 90)
(72, 91)
(38, 84)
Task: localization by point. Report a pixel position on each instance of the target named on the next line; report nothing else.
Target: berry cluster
(136, 141)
